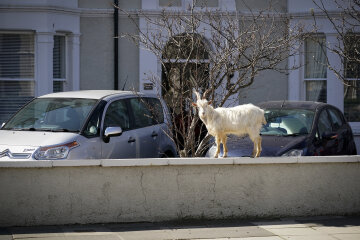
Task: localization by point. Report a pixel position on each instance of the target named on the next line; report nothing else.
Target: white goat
(239, 120)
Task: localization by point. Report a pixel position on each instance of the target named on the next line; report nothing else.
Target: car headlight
(293, 153)
(55, 152)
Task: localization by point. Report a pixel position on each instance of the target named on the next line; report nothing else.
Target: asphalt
(314, 228)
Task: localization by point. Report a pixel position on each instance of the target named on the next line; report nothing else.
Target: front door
(147, 131)
(123, 146)
(325, 145)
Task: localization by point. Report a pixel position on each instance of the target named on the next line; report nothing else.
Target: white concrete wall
(96, 191)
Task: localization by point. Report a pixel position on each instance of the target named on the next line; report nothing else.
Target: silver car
(88, 125)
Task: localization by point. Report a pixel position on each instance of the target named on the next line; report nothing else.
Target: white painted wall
(306, 5)
(39, 3)
(98, 191)
(45, 18)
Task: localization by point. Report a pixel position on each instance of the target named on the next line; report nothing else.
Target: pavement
(314, 228)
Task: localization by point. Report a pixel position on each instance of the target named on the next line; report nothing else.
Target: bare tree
(218, 51)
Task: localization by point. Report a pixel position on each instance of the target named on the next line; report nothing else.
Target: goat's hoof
(216, 156)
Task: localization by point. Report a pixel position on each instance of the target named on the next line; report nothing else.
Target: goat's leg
(217, 139)
(259, 148)
(254, 140)
(225, 149)
(253, 154)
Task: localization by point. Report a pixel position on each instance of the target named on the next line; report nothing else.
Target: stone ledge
(175, 161)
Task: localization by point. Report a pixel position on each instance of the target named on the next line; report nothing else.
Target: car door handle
(154, 134)
(131, 139)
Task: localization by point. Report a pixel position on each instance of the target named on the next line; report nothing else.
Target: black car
(298, 128)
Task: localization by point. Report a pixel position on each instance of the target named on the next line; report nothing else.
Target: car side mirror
(112, 132)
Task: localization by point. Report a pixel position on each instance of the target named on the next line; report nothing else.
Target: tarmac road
(314, 228)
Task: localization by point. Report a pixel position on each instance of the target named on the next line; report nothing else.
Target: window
(206, 3)
(156, 110)
(142, 114)
(186, 58)
(352, 56)
(316, 91)
(287, 122)
(336, 119)
(352, 73)
(352, 100)
(117, 115)
(315, 69)
(315, 57)
(324, 124)
(92, 128)
(16, 72)
(170, 3)
(59, 73)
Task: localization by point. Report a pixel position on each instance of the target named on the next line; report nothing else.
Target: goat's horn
(206, 93)
(197, 94)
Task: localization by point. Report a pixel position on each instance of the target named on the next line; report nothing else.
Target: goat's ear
(194, 104)
(210, 102)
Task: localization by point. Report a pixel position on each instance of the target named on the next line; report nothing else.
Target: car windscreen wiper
(42, 129)
(58, 130)
(22, 129)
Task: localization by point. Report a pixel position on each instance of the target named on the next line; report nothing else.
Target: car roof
(309, 105)
(91, 94)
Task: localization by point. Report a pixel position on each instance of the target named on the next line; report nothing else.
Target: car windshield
(52, 114)
(287, 122)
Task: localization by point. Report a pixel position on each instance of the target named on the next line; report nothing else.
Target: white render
(133, 190)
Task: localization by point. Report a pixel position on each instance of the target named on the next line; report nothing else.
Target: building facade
(48, 46)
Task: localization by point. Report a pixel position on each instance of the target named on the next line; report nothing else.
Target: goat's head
(202, 104)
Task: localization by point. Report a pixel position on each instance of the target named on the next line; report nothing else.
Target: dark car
(298, 128)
